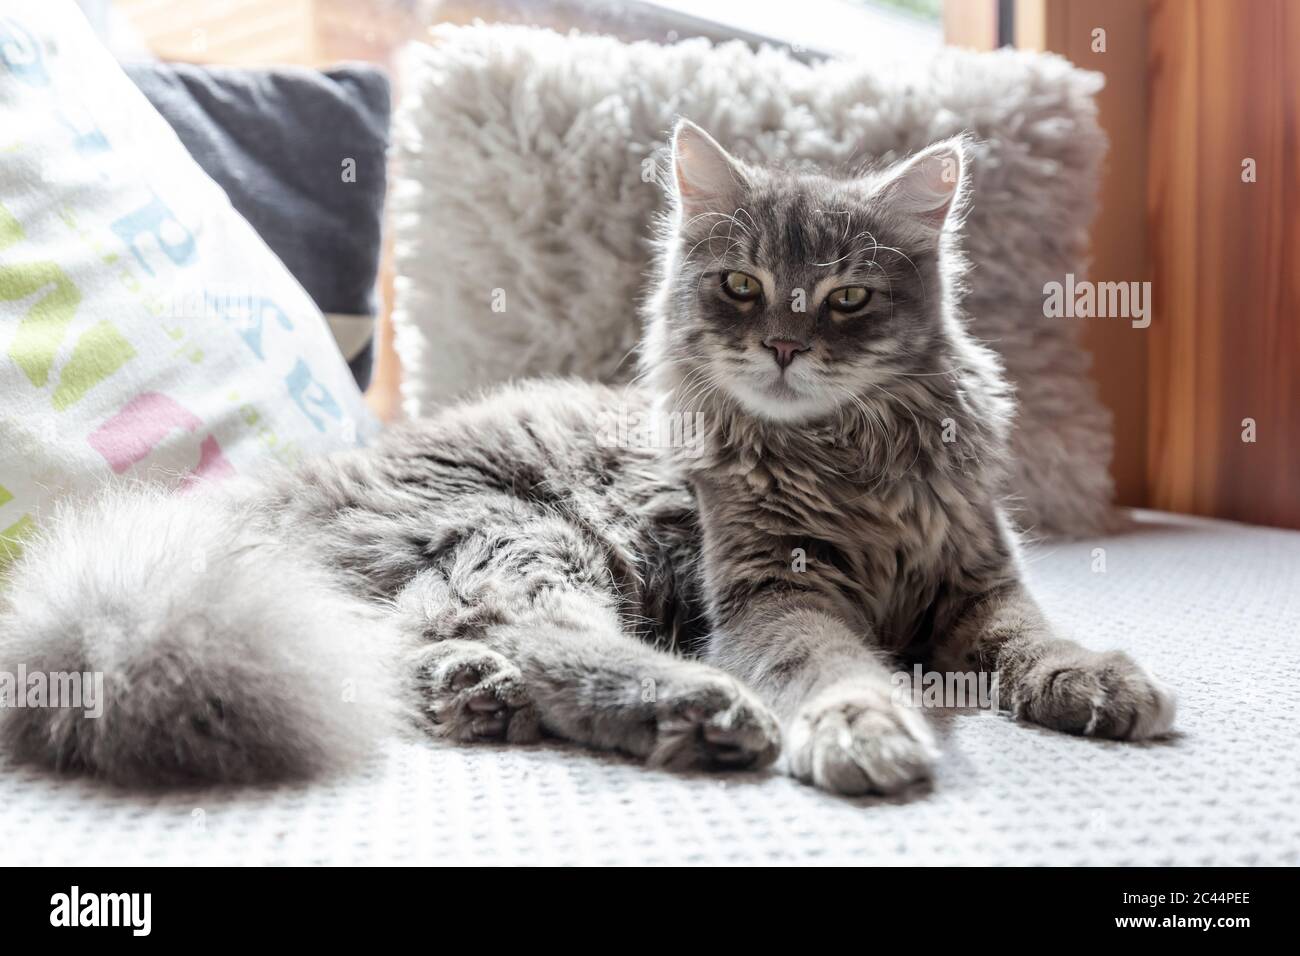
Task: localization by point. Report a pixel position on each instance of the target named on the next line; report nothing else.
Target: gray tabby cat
(518, 565)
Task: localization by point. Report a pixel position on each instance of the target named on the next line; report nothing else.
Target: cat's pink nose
(785, 349)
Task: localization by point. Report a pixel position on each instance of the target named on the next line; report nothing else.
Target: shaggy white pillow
(525, 189)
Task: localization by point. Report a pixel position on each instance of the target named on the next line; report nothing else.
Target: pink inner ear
(927, 189)
(704, 172)
(694, 174)
(685, 186)
(945, 172)
(938, 178)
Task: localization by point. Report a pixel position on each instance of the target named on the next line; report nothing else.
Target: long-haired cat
(526, 564)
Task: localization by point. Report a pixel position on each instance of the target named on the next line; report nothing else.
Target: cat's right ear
(930, 186)
(707, 179)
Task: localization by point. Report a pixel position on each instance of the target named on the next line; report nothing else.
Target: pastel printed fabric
(146, 331)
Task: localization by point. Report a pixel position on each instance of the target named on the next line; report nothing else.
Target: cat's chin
(779, 402)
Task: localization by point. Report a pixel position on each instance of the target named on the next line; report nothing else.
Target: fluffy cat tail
(225, 654)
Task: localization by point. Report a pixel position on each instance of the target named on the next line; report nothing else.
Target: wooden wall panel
(1225, 336)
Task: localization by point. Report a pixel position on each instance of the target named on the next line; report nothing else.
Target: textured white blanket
(1213, 608)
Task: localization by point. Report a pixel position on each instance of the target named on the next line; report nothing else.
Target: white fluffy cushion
(525, 192)
(145, 329)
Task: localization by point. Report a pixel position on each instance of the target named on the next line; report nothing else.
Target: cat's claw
(858, 740)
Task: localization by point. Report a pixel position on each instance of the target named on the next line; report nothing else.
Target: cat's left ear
(930, 187)
(706, 177)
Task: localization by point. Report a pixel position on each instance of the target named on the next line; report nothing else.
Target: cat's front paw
(713, 723)
(856, 740)
(1097, 695)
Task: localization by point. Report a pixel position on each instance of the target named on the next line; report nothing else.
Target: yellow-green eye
(741, 285)
(849, 299)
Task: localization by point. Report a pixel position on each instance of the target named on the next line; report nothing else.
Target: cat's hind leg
(518, 628)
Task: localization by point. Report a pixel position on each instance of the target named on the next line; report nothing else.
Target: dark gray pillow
(278, 141)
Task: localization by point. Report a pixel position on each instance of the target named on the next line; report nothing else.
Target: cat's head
(795, 294)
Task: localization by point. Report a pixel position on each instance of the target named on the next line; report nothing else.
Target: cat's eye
(741, 286)
(849, 299)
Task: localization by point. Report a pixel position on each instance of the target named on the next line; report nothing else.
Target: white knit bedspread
(1213, 608)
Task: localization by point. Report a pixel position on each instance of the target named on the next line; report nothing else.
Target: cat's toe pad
(856, 741)
(477, 695)
(1097, 695)
(716, 724)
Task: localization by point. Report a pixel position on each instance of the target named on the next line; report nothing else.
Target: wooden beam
(971, 23)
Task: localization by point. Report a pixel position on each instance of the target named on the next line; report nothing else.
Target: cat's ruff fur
(516, 565)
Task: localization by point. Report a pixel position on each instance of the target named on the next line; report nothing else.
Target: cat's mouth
(781, 386)
(778, 395)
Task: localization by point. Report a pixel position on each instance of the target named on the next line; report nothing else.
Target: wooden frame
(1224, 211)
(1206, 400)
